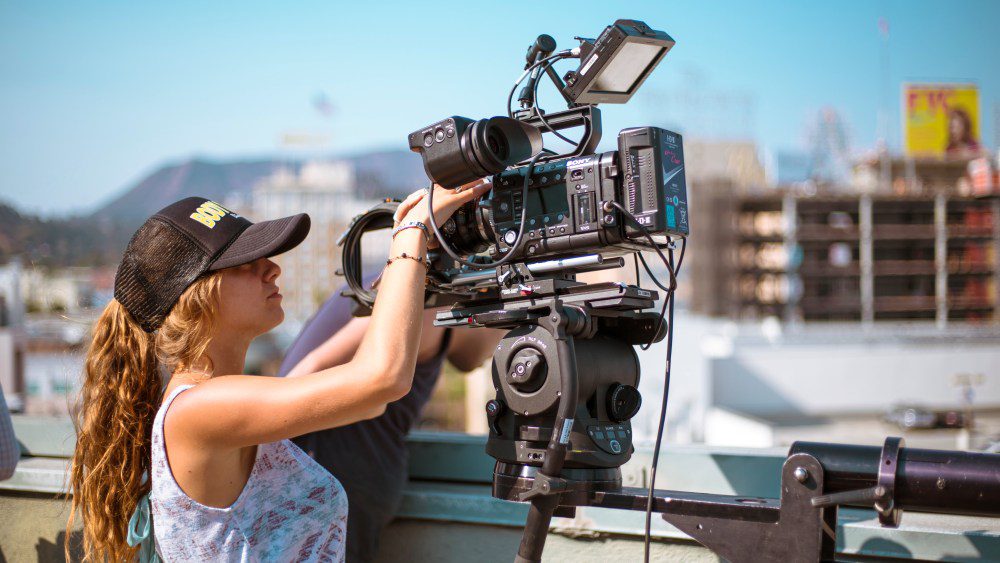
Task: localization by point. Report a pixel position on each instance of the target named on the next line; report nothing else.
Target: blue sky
(95, 95)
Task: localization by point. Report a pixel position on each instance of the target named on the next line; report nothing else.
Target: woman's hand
(446, 202)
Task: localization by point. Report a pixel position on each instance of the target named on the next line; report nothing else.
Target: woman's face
(956, 126)
(249, 302)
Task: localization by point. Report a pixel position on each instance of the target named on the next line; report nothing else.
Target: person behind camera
(206, 454)
(369, 457)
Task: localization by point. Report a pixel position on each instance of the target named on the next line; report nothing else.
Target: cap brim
(264, 239)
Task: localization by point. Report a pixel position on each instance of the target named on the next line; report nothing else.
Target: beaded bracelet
(417, 259)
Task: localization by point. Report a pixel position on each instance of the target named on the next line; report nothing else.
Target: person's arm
(470, 347)
(336, 350)
(237, 411)
(10, 452)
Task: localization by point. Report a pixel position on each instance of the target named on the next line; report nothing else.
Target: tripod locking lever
(543, 486)
(860, 496)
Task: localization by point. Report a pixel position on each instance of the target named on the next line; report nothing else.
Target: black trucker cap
(187, 239)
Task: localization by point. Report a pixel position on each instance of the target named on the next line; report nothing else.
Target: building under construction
(921, 248)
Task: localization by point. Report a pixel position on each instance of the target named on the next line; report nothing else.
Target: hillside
(76, 241)
(98, 238)
(211, 179)
(378, 174)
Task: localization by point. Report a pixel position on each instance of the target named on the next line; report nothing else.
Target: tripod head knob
(623, 402)
(527, 371)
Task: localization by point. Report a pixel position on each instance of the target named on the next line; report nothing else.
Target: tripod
(561, 410)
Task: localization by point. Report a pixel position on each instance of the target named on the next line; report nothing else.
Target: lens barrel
(458, 150)
(469, 230)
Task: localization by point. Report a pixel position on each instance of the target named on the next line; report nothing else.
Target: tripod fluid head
(569, 350)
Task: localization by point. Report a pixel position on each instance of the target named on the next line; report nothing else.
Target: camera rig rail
(816, 479)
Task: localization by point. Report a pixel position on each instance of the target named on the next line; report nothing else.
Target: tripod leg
(540, 514)
(536, 528)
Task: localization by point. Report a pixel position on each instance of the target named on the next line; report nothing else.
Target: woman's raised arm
(236, 411)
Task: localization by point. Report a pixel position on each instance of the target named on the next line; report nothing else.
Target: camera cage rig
(815, 479)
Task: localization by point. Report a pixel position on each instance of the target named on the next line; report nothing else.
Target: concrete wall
(412, 540)
(819, 380)
(33, 527)
(772, 370)
(33, 530)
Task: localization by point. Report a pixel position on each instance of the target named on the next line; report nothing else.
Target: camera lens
(497, 144)
(468, 231)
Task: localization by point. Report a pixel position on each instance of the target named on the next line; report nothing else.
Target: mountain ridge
(96, 238)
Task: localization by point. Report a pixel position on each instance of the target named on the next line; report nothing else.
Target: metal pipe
(951, 482)
(586, 263)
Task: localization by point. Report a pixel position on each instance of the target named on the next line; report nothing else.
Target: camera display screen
(547, 200)
(626, 68)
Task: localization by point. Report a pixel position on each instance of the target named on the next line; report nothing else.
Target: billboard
(941, 120)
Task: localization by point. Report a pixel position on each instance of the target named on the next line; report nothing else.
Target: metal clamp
(882, 496)
(888, 513)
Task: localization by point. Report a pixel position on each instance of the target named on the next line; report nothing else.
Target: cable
(520, 231)
(541, 116)
(548, 62)
(510, 97)
(663, 419)
(645, 233)
(669, 293)
(669, 307)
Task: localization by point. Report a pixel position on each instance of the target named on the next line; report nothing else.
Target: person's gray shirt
(10, 452)
(368, 457)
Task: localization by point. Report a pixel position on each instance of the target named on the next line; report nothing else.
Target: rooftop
(448, 513)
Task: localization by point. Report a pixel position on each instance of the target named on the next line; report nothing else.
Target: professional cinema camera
(566, 374)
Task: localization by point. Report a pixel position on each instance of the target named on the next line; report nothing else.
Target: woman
(961, 139)
(211, 447)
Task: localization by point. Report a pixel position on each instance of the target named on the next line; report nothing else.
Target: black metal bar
(950, 482)
(536, 528)
(744, 508)
(587, 116)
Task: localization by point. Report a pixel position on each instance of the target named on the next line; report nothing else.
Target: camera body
(568, 209)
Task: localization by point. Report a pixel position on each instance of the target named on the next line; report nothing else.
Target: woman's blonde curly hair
(121, 394)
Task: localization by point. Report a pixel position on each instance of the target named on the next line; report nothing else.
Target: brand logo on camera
(574, 162)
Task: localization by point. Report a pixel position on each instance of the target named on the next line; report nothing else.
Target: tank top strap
(159, 467)
(173, 395)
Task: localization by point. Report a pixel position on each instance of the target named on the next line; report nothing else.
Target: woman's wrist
(411, 241)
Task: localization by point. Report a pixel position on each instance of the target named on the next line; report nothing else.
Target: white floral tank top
(291, 509)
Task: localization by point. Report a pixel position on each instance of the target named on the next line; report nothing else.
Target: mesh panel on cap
(159, 263)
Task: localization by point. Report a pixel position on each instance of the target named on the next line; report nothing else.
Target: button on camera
(439, 135)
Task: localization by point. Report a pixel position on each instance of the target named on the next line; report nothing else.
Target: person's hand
(446, 202)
